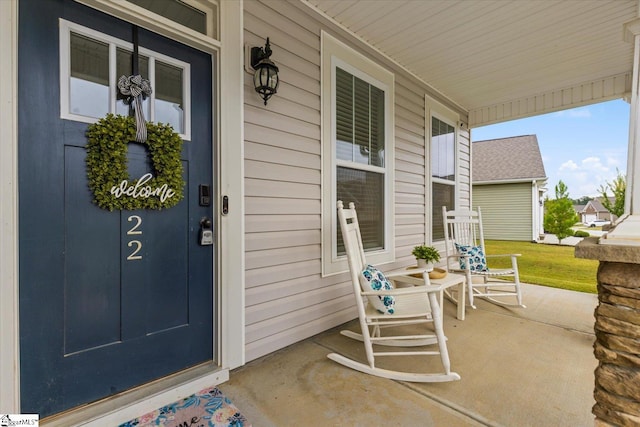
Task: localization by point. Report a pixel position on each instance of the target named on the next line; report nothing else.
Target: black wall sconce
(265, 79)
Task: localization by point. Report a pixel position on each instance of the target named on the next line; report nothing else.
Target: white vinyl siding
(507, 211)
(409, 170)
(464, 168)
(286, 297)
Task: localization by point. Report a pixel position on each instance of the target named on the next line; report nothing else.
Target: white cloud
(569, 165)
(594, 164)
(586, 177)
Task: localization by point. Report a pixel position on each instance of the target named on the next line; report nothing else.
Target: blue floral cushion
(372, 279)
(477, 260)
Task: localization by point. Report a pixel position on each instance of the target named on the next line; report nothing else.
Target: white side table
(452, 279)
(412, 275)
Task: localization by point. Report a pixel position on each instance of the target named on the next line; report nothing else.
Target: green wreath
(107, 169)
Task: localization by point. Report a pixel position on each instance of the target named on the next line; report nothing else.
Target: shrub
(426, 252)
(581, 233)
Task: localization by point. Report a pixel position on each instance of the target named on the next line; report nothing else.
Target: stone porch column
(617, 328)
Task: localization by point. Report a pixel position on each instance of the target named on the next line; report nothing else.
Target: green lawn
(548, 265)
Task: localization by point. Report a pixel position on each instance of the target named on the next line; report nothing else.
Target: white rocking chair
(415, 305)
(465, 252)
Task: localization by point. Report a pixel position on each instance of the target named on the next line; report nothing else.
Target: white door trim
(9, 338)
(231, 180)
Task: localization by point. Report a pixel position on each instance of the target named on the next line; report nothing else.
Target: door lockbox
(206, 233)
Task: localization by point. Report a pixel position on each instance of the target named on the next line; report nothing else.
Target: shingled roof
(507, 159)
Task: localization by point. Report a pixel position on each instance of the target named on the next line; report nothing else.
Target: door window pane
(169, 102)
(366, 190)
(124, 67)
(89, 80)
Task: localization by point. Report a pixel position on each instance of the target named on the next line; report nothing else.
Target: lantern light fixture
(265, 78)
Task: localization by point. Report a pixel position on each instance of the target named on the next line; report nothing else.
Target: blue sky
(582, 147)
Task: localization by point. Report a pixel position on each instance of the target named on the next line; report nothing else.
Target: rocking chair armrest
(404, 272)
(425, 289)
(399, 272)
(457, 256)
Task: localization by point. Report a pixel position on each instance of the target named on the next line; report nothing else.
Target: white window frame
(337, 54)
(66, 28)
(444, 114)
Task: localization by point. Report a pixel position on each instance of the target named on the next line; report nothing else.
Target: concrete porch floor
(519, 367)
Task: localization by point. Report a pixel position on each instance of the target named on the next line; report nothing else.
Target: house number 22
(136, 245)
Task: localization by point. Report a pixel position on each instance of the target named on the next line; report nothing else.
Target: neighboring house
(594, 209)
(111, 314)
(508, 185)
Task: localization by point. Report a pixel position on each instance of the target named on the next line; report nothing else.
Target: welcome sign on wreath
(107, 170)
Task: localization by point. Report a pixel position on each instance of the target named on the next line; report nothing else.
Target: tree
(559, 214)
(582, 200)
(618, 187)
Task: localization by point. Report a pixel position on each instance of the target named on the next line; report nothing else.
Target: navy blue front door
(109, 300)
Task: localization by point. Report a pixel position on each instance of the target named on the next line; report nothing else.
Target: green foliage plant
(428, 253)
(619, 188)
(581, 233)
(107, 147)
(559, 214)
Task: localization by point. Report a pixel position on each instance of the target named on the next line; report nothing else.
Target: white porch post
(627, 231)
(632, 199)
(617, 317)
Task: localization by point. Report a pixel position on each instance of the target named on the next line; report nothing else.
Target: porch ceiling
(501, 60)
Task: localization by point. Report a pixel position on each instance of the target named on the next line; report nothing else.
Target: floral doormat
(207, 408)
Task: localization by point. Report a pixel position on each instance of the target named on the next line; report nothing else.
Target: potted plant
(426, 256)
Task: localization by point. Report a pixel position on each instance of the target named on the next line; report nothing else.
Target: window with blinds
(443, 173)
(358, 114)
(360, 145)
